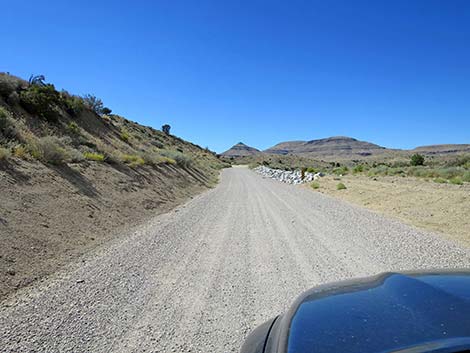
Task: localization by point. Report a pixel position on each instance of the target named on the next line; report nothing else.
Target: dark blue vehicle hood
(414, 312)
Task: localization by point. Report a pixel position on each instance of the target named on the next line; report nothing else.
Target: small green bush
(456, 181)
(341, 170)
(466, 177)
(133, 160)
(73, 128)
(124, 136)
(7, 125)
(440, 180)
(340, 186)
(74, 105)
(417, 159)
(181, 159)
(42, 101)
(97, 157)
(48, 149)
(358, 168)
(20, 152)
(311, 170)
(5, 153)
(315, 185)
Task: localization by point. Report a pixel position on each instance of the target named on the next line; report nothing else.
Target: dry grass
(442, 208)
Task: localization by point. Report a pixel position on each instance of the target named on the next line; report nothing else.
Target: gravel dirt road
(199, 278)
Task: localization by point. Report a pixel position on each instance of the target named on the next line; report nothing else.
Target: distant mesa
(336, 145)
(341, 147)
(241, 150)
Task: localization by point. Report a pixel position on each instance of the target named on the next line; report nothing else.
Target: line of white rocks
(289, 177)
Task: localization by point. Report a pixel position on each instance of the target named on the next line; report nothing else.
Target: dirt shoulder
(50, 215)
(442, 208)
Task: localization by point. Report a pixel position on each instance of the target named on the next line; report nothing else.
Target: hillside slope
(71, 179)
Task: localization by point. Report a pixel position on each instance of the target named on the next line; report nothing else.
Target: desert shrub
(310, 169)
(181, 159)
(341, 170)
(48, 149)
(20, 151)
(7, 125)
(10, 84)
(456, 181)
(74, 105)
(315, 185)
(132, 160)
(97, 157)
(13, 98)
(5, 153)
(106, 111)
(340, 186)
(449, 172)
(124, 136)
(75, 156)
(156, 159)
(73, 128)
(358, 168)
(440, 180)
(417, 159)
(42, 101)
(93, 103)
(466, 176)
(157, 144)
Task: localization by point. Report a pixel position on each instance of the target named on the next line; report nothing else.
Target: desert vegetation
(39, 122)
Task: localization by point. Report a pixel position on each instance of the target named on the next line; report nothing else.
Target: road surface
(199, 278)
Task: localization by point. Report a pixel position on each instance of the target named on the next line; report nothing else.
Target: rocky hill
(73, 175)
(241, 150)
(331, 146)
(443, 149)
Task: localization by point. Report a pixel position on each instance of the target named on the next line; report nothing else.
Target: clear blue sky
(393, 72)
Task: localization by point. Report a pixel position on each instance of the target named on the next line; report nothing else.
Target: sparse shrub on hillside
(181, 159)
(7, 125)
(48, 149)
(43, 101)
(10, 84)
(132, 160)
(73, 128)
(106, 111)
(340, 186)
(74, 105)
(166, 129)
(157, 144)
(124, 136)
(97, 157)
(13, 98)
(156, 159)
(456, 181)
(417, 159)
(75, 156)
(20, 151)
(93, 103)
(315, 185)
(5, 153)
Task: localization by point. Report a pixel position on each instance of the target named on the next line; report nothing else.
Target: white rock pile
(289, 177)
